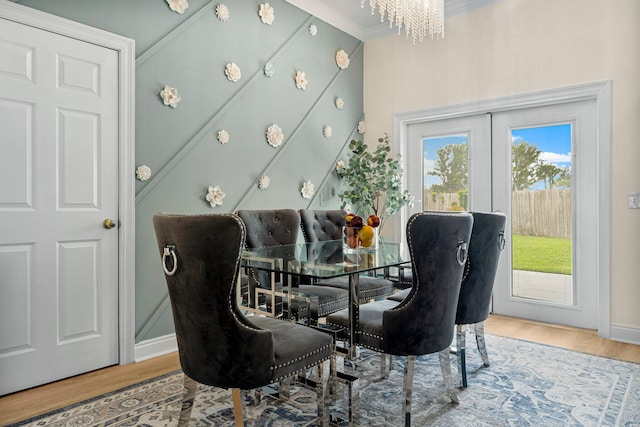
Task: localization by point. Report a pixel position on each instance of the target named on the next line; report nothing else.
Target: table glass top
(323, 259)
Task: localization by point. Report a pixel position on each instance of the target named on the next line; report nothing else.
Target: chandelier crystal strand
(418, 17)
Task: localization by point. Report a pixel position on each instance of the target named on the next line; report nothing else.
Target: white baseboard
(155, 347)
(625, 334)
(159, 346)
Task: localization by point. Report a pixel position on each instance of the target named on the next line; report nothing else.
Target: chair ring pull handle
(169, 250)
(461, 254)
(501, 240)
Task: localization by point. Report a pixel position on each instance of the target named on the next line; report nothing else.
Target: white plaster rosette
(267, 15)
(342, 59)
(274, 135)
(143, 172)
(269, 69)
(232, 71)
(307, 190)
(223, 136)
(301, 80)
(340, 165)
(170, 96)
(362, 127)
(313, 30)
(327, 132)
(222, 12)
(178, 6)
(264, 182)
(215, 196)
(339, 103)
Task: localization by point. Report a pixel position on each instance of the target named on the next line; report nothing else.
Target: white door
(59, 175)
(548, 271)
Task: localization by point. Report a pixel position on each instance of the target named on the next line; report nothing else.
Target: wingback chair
(217, 344)
(424, 322)
(323, 225)
(280, 227)
(487, 242)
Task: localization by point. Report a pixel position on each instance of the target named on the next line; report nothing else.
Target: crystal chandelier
(418, 17)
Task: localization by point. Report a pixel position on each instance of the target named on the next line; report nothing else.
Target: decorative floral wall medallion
(362, 128)
(301, 80)
(215, 196)
(327, 132)
(232, 72)
(266, 13)
(339, 103)
(269, 69)
(178, 6)
(342, 59)
(263, 182)
(340, 167)
(170, 96)
(222, 12)
(307, 190)
(274, 135)
(143, 172)
(313, 30)
(223, 136)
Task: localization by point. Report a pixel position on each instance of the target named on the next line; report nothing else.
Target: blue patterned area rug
(527, 384)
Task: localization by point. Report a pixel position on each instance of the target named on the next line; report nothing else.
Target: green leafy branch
(373, 181)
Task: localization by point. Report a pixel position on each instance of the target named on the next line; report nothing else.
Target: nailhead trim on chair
(326, 347)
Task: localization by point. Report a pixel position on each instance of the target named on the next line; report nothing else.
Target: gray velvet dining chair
(423, 323)
(326, 225)
(217, 344)
(279, 227)
(476, 289)
(474, 303)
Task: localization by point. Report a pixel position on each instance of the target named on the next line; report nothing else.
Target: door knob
(108, 223)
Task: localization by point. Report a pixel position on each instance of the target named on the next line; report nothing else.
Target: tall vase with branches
(373, 181)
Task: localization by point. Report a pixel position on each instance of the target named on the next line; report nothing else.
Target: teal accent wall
(189, 52)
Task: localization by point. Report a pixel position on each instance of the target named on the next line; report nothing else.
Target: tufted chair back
(270, 227)
(322, 225)
(216, 343)
(423, 322)
(487, 241)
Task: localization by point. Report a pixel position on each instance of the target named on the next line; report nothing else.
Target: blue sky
(553, 141)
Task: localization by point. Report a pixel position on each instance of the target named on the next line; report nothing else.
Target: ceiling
(350, 17)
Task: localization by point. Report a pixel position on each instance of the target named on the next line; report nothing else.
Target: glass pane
(541, 213)
(446, 166)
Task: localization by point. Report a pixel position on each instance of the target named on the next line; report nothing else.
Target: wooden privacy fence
(544, 213)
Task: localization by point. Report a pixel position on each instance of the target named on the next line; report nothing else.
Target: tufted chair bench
(323, 225)
(280, 227)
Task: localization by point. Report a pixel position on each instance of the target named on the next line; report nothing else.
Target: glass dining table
(309, 262)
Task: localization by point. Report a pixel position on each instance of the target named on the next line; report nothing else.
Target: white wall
(521, 46)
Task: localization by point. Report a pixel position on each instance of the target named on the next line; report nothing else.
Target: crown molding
(333, 17)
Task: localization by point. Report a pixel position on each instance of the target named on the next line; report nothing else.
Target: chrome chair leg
(482, 347)
(461, 356)
(445, 366)
(188, 397)
(408, 389)
(322, 395)
(284, 388)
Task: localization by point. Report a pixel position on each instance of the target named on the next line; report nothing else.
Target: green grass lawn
(543, 254)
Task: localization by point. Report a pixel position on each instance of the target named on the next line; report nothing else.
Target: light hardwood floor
(22, 405)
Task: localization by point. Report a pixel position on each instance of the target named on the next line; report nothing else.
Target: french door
(549, 268)
(548, 271)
